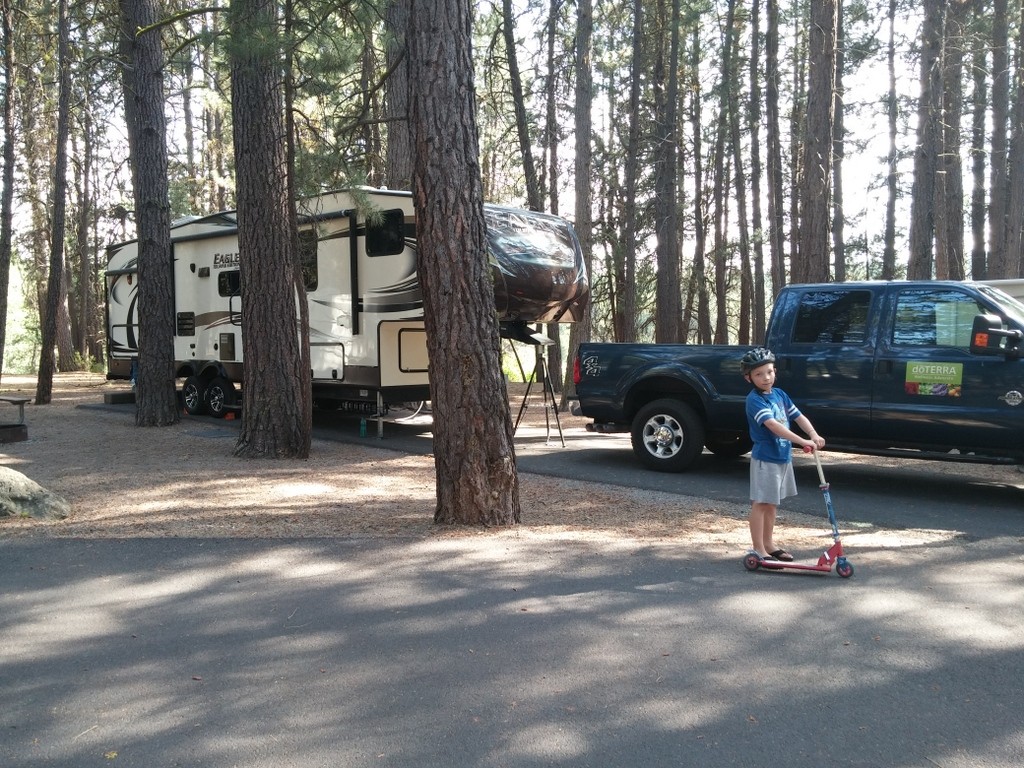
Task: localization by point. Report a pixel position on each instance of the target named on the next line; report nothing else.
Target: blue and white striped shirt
(775, 405)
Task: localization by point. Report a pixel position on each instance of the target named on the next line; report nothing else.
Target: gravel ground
(182, 481)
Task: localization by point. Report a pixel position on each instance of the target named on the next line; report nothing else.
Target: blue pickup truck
(930, 370)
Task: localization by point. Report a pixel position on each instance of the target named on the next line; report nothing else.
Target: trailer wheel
(220, 396)
(667, 435)
(193, 395)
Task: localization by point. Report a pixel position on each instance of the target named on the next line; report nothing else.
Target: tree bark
(155, 395)
(756, 172)
(720, 187)
(740, 187)
(998, 266)
(277, 419)
(627, 278)
(533, 197)
(838, 154)
(922, 196)
(474, 456)
(776, 198)
(51, 310)
(812, 264)
(979, 106)
(7, 179)
(583, 98)
(892, 159)
(949, 188)
(668, 317)
(699, 278)
(398, 168)
(1014, 261)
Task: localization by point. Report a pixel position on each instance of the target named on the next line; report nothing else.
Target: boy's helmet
(755, 358)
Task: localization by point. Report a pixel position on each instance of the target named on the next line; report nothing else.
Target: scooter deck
(752, 562)
(779, 565)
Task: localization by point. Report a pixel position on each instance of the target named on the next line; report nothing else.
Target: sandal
(781, 554)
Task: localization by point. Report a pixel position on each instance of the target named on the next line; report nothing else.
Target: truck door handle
(883, 367)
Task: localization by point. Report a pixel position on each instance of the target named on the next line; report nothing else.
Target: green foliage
(337, 60)
(21, 352)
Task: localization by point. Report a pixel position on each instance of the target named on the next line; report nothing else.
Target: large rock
(22, 497)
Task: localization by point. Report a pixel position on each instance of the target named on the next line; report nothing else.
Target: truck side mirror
(987, 333)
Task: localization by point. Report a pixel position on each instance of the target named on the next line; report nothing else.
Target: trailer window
(229, 283)
(309, 244)
(832, 317)
(385, 236)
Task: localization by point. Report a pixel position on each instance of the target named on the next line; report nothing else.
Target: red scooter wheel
(844, 568)
(751, 562)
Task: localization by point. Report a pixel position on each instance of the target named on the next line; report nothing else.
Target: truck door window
(385, 233)
(928, 318)
(832, 317)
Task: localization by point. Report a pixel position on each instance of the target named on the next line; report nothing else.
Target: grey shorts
(771, 483)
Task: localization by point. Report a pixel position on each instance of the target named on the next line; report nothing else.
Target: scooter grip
(808, 449)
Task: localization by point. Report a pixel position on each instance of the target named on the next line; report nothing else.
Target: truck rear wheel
(667, 435)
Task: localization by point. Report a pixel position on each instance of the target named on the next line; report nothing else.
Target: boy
(769, 413)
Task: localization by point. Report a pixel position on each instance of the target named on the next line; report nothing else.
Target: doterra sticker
(933, 378)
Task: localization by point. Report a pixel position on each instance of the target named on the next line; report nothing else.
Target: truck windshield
(1014, 309)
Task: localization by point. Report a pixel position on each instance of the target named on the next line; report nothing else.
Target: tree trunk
(7, 179)
(1015, 224)
(892, 159)
(627, 286)
(998, 266)
(552, 130)
(720, 186)
(756, 171)
(668, 316)
(51, 311)
(838, 154)
(556, 362)
(776, 198)
(277, 419)
(155, 396)
(583, 162)
(740, 187)
(533, 196)
(812, 264)
(474, 456)
(699, 203)
(979, 105)
(949, 191)
(922, 196)
(396, 97)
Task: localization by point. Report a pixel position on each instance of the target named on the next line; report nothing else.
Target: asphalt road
(516, 650)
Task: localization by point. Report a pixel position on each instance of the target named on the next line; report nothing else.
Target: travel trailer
(366, 330)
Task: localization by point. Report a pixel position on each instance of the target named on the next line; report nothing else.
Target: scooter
(834, 555)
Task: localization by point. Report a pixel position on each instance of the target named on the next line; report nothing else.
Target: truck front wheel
(667, 435)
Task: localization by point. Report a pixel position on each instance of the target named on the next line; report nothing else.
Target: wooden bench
(13, 432)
